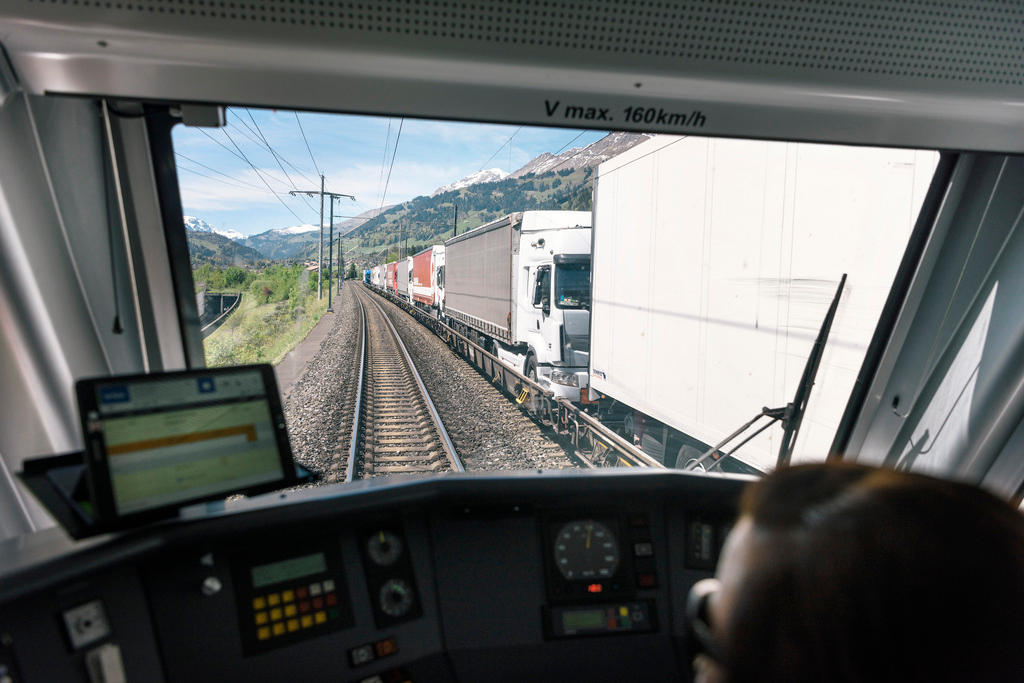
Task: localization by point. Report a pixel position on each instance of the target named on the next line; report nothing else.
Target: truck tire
(533, 404)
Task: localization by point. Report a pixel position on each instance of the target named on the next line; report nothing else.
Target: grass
(263, 332)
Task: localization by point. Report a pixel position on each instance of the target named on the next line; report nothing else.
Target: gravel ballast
(318, 409)
(489, 431)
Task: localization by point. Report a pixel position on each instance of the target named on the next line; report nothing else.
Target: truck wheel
(627, 426)
(688, 455)
(531, 372)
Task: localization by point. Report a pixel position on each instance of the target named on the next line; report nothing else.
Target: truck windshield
(572, 285)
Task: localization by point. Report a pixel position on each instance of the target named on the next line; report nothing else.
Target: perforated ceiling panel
(928, 73)
(964, 41)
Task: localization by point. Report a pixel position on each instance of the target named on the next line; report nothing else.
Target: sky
(224, 173)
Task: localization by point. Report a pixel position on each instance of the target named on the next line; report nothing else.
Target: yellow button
(320, 617)
(623, 611)
(293, 624)
(290, 610)
(273, 599)
(261, 618)
(307, 620)
(288, 596)
(263, 632)
(259, 603)
(278, 628)
(275, 614)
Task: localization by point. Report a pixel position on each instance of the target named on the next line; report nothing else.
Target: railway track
(591, 442)
(396, 429)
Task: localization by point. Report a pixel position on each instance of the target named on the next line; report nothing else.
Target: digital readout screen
(576, 620)
(287, 570)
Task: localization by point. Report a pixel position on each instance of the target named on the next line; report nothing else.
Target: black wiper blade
(792, 414)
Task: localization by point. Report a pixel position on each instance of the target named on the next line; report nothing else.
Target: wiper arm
(792, 414)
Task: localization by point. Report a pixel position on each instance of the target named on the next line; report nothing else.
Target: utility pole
(320, 259)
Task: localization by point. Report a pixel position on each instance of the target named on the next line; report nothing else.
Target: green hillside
(280, 245)
(428, 220)
(217, 250)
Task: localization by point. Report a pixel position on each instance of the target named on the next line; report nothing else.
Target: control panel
(288, 595)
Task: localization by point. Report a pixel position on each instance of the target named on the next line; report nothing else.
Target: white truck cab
(553, 300)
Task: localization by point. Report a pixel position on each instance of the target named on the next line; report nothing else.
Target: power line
(391, 166)
(318, 171)
(277, 154)
(211, 168)
(274, 154)
(219, 180)
(384, 156)
(570, 142)
(246, 159)
(239, 155)
(502, 147)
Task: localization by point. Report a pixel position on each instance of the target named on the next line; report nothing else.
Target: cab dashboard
(530, 576)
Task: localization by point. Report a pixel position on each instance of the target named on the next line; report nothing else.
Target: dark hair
(863, 574)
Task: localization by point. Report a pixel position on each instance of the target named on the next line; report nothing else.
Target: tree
(351, 271)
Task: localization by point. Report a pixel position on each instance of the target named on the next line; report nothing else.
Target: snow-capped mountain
(604, 149)
(295, 229)
(486, 176)
(199, 225)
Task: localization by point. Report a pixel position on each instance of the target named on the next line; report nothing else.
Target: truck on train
(520, 286)
(427, 279)
(694, 326)
(391, 277)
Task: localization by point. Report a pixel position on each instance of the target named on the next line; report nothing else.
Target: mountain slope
(548, 182)
(199, 225)
(217, 250)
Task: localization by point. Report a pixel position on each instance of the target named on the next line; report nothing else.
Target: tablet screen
(185, 437)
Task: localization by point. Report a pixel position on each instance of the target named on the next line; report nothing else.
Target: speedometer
(586, 549)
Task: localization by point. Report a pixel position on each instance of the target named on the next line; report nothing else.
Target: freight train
(520, 287)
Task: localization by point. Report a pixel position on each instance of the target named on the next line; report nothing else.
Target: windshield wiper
(792, 414)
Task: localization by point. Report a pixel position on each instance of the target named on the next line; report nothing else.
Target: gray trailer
(523, 283)
(402, 277)
(480, 279)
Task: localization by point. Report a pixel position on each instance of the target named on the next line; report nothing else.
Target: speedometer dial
(586, 549)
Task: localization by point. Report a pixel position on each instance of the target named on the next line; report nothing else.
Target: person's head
(850, 573)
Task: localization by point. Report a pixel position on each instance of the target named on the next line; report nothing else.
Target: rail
(396, 428)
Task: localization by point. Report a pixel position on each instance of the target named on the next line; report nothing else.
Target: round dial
(384, 548)
(586, 549)
(395, 598)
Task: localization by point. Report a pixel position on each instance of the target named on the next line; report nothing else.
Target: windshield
(714, 266)
(572, 285)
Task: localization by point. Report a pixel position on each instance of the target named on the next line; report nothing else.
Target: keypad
(295, 609)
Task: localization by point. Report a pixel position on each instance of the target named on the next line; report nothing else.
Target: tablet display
(157, 442)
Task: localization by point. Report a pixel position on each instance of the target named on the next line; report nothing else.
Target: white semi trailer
(696, 325)
(520, 285)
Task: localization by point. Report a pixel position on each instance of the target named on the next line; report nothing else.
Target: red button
(646, 580)
(303, 607)
(332, 599)
(318, 603)
(302, 593)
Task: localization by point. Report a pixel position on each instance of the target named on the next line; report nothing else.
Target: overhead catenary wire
(391, 166)
(508, 141)
(239, 155)
(281, 156)
(261, 176)
(277, 157)
(211, 168)
(311, 158)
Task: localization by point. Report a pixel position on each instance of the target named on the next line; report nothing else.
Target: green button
(332, 613)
